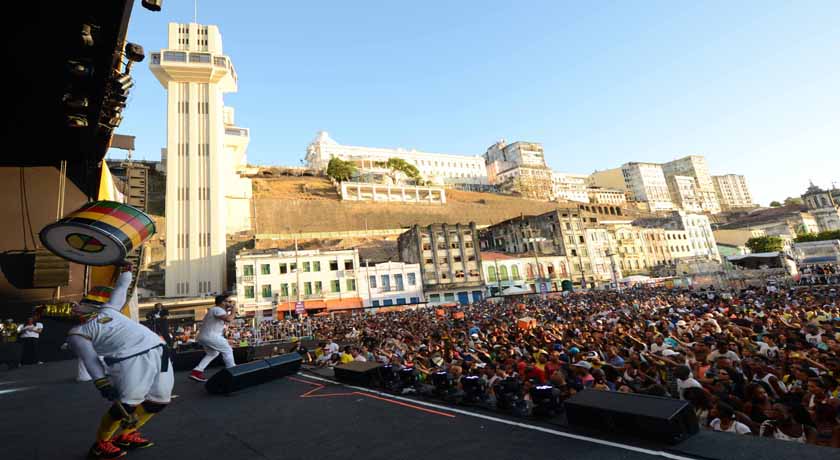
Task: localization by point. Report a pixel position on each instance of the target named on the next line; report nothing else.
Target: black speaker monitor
(254, 373)
(650, 417)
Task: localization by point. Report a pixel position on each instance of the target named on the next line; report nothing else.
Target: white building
(273, 281)
(732, 191)
(646, 183)
(823, 205)
(518, 153)
(439, 168)
(684, 193)
(688, 235)
(598, 195)
(205, 197)
(391, 283)
(502, 270)
(695, 166)
(571, 187)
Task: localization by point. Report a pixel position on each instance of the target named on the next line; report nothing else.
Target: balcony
(246, 278)
(242, 132)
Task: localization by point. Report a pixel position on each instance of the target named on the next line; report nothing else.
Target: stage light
(441, 381)
(74, 121)
(544, 399)
(507, 393)
(152, 5)
(473, 388)
(125, 82)
(408, 377)
(79, 69)
(134, 52)
(87, 38)
(75, 103)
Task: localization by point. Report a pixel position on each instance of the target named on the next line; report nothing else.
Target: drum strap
(164, 365)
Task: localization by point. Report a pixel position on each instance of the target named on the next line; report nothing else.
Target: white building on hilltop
(732, 191)
(439, 168)
(695, 166)
(646, 183)
(571, 187)
(205, 197)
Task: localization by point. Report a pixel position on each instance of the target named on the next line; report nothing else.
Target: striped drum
(99, 233)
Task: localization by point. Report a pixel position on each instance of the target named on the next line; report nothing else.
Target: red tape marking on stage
(319, 386)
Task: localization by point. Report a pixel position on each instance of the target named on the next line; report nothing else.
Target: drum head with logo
(83, 244)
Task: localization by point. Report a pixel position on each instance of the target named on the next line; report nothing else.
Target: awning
(321, 304)
(344, 304)
(512, 290)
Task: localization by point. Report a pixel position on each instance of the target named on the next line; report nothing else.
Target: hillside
(311, 204)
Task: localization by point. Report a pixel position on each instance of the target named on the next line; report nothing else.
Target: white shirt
(736, 427)
(655, 348)
(116, 336)
(361, 358)
(212, 327)
(767, 351)
(30, 331)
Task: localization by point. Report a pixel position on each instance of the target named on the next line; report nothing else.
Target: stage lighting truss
(80, 68)
(133, 53)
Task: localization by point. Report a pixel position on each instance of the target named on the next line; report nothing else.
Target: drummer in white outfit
(212, 338)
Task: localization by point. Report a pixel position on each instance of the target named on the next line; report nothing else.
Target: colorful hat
(98, 295)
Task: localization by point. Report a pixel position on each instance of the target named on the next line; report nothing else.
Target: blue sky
(753, 86)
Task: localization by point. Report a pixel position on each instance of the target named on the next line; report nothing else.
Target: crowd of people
(755, 362)
(810, 275)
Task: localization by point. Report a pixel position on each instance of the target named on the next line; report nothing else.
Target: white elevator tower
(205, 197)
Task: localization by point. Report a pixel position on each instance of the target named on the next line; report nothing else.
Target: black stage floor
(45, 414)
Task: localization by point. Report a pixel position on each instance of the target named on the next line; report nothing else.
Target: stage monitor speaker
(650, 417)
(254, 373)
(283, 365)
(358, 373)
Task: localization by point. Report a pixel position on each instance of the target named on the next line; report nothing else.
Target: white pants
(213, 347)
(139, 379)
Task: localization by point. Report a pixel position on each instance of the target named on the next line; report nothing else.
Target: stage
(45, 414)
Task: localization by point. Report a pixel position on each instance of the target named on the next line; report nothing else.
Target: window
(283, 269)
(375, 303)
(319, 288)
(401, 301)
(514, 273)
(307, 288)
(449, 296)
(248, 270)
(265, 269)
(284, 289)
(333, 265)
(412, 279)
(306, 267)
(503, 273)
(386, 282)
(316, 266)
(388, 302)
(348, 264)
(249, 292)
(351, 285)
(398, 280)
(415, 300)
(372, 281)
(434, 298)
(491, 273)
(293, 266)
(266, 291)
(335, 286)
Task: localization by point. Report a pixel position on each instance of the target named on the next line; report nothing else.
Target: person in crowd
(725, 420)
(782, 426)
(29, 335)
(159, 322)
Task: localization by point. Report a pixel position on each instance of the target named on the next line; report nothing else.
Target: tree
(793, 200)
(821, 236)
(398, 165)
(340, 170)
(765, 244)
(775, 204)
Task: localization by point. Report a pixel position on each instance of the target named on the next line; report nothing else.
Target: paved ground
(44, 414)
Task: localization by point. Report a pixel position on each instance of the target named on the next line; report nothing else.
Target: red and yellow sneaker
(131, 441)
(105, 449)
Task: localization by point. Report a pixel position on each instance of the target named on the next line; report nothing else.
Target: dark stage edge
(45, 414)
